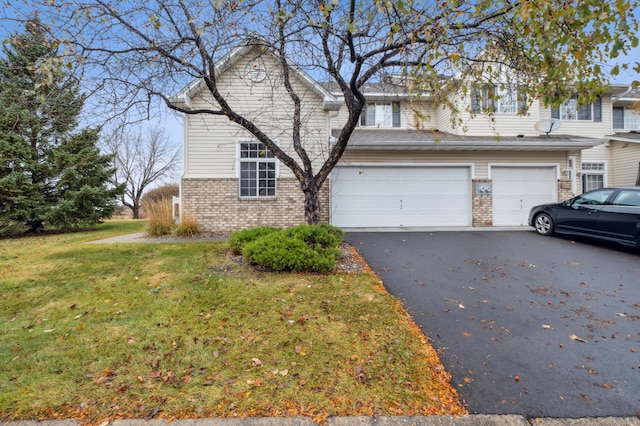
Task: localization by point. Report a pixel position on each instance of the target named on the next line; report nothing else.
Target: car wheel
(544, 224)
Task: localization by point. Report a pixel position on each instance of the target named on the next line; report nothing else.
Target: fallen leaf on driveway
(461, 306)
(577, 339)
(547, 327)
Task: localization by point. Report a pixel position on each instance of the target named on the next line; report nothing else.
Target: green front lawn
(98, 332)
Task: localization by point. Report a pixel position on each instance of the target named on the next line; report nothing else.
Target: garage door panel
(400, 196)
(517, 189)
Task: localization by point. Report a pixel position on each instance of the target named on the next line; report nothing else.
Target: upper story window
(258, 170)
(500, 99)
(572, 111)
(626, 119)
(380, 114)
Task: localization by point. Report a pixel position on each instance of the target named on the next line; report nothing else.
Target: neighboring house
(616, 162)
(406, 164)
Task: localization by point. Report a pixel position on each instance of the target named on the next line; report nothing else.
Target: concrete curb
(469, 420)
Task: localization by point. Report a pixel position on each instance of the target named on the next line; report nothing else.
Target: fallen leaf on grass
(152, 413)
(256, 362)
(577, 339)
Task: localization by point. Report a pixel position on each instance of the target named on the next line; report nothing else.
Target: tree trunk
(35, 226)
(135, 209)
(311, 203)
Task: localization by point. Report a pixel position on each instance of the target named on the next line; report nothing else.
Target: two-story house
(406, 164)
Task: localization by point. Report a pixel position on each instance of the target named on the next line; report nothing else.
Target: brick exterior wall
(564, 189)
(216, 205)
(481, 205)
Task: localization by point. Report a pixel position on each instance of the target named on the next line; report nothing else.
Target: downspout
(623, 94)
(330, 142)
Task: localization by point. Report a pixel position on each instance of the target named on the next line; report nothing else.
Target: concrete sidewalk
(470, 420)
(143, 237)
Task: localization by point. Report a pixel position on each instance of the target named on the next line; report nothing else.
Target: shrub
(160, 216)
(312, 248)
(319, 237)
(237, 240)
(187, 227)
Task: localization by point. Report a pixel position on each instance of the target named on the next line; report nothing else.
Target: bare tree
(146, 49)
(141, 160)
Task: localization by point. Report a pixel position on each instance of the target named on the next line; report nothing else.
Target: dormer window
(380, 114)
(570, 110)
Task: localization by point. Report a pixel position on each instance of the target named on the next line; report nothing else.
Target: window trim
(594, 109)
(394, 118)
(488, 98)
(593, 172)
(240, 160)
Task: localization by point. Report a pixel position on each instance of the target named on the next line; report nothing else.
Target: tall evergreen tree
(51, 173)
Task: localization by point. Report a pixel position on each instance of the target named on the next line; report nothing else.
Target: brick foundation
(564, 189)
(216, 205)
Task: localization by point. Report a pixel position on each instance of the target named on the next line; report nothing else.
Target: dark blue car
(611, 214)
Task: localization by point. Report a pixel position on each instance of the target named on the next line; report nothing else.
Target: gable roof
(183, 98)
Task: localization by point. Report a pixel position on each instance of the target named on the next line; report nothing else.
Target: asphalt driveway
(531, 325)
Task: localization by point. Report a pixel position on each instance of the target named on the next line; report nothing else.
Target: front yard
(99, 332)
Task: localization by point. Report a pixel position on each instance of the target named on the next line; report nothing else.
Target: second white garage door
(517, 189)
(394, 196)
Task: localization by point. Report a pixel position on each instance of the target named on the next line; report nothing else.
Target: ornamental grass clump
(310, 248)
(160, 216)
(188, 227)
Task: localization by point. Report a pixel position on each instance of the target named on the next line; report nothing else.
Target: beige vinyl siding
(211, 142)
(501, 124)
(625, 156)
(597, 154)
(442, 118)
(479, 160)
(583, 128)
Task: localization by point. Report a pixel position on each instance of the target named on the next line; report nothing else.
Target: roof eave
(574, 145)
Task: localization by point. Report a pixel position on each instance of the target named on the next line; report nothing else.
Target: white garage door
(517, 189)
(392, 196)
